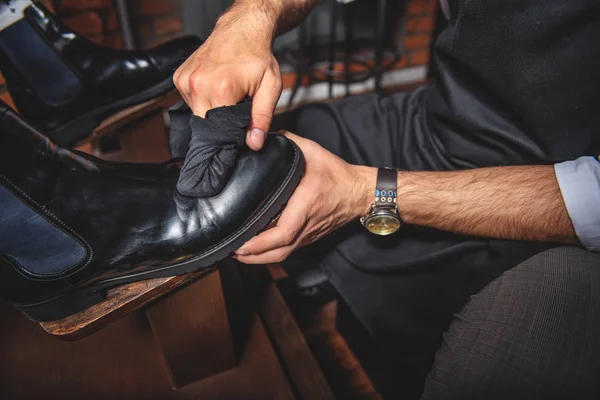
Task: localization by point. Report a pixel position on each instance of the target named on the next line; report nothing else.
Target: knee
(534, 332)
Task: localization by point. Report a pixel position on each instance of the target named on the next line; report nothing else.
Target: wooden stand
(120, 301)
(192, 325)
(190, 318)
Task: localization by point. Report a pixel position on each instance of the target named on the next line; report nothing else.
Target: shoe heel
(61, 307)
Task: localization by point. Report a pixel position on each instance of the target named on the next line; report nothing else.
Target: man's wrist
(365, 182)
(258, 21)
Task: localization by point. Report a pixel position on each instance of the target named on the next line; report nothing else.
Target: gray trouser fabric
(532, 333)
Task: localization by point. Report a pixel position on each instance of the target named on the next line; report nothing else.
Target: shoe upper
(127, 218)
(92, 75)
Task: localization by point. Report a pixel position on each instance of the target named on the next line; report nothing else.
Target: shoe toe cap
(257, 180)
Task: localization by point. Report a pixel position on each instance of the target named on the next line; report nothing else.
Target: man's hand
(515, 203)
(330, 194)
(237, 61)
(234, 62)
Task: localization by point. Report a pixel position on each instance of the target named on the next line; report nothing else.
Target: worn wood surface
(119, 301)
(302, 368)
(192, 330)
(145, 141)
(317, 323)
(124, 361)
(132, 114)
(296, 357)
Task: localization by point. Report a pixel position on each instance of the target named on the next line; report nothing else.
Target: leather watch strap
(387, 187)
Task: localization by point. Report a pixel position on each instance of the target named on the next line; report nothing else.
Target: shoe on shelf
(73, 226)
(66, 85)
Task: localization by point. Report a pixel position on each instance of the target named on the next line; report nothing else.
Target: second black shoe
(66, 85)
(73, 226)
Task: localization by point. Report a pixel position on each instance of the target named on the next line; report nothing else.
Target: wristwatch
(383, 218)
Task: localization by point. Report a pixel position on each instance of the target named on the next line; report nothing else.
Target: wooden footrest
(120, 301)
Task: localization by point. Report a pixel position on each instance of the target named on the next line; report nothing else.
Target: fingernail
(242, 252)
(257, 137)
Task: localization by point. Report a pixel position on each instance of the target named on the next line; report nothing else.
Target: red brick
(153, 7)
(413, 42)
(289, 80)
(48, 4)
(71, 5)
(420, 24)
(403, 63)
(112, 23)
(85, 23)
(113, 40)
(152, 42)
(422, 7)
(417, 7)
(431, 5)
(167, 25)
(419, 57)
(145, 32)
(96, 38)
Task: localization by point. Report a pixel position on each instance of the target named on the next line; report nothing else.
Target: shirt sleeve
(579, 183)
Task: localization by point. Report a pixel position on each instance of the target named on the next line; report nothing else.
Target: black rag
(210, 145)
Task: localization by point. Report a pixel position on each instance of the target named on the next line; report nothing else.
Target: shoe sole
(74, 131)
(81, 299)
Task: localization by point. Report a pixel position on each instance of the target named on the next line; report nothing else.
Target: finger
(177, 77)
(292, 136)
(263, 107)
(270, 257)
(285, 233)
(299, 140)
(225, 92)
(182, 82)
(200, 106)
(198, 98)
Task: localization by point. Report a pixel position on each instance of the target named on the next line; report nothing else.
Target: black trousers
(404, 289)
(518, 84)
(533, 332)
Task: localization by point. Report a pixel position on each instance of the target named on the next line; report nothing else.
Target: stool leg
(192, 331)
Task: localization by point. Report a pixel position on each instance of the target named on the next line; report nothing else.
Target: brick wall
(94, 19)
(155, 21)
(417, 38)
(419, 28)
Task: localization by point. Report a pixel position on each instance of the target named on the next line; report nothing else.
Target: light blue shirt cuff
(579, 183)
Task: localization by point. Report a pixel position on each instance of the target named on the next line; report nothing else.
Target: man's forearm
(522, 203)
(274, 16)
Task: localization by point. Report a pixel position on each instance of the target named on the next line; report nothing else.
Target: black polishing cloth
(210, 145)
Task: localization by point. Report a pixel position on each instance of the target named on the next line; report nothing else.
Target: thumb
(263, 107)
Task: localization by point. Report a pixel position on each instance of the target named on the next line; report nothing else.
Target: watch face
(383, 224)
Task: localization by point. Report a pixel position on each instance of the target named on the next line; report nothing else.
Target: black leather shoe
(73, 226)
(66, 85)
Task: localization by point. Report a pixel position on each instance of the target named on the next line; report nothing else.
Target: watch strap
(386, 188)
